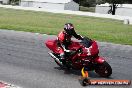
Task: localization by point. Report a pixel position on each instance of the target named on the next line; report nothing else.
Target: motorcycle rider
(64, 38)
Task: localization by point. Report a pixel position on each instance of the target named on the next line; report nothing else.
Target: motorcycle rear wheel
(104, 69)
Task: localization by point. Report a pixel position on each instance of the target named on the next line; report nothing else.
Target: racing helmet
(69, 28)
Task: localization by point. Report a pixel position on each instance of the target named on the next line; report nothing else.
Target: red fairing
(52, 45)
(74, 45)
(91, 51)
(94, 48)
(99, 60)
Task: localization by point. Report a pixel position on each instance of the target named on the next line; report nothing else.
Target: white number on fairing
(88, 50)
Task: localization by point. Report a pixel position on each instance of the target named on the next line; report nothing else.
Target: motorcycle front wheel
(104, 69)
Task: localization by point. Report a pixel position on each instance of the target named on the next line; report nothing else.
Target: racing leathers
(64, 40)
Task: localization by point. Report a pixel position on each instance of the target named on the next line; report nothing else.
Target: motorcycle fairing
(53, 46)
(99, 60)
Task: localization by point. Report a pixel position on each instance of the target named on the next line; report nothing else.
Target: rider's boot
(62, 59)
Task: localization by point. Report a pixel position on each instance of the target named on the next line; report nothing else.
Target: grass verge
(100, 29)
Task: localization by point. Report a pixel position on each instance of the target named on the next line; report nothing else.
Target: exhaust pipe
(55, 58)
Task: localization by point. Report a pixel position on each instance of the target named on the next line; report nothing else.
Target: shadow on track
(92, 74)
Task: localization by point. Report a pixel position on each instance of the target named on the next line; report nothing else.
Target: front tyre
(104, 69)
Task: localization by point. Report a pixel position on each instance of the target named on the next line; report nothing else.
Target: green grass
(107, 30)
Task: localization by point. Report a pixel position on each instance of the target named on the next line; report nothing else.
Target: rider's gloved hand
(80, 37)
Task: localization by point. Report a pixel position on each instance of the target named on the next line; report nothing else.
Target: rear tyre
(104, 69)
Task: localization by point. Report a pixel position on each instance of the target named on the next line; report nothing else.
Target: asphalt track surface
(24, 62)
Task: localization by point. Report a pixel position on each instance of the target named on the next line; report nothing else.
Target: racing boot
(62, 59)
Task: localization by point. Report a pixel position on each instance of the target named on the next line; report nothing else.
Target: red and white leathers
(64, 40)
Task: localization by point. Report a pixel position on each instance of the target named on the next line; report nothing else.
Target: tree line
(89, 3)
(93, 3)
(14, 1)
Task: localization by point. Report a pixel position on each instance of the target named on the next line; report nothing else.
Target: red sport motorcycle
(79, 57)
